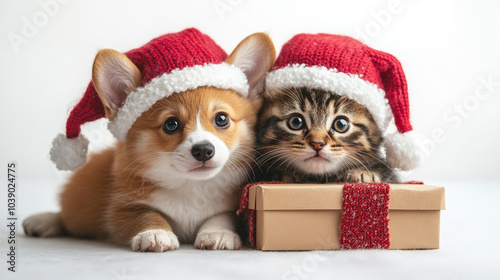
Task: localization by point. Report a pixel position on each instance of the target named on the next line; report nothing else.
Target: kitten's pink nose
(317, 146)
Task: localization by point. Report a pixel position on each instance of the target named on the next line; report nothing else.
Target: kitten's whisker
(379, 160)
(273, 154)
(360, 162)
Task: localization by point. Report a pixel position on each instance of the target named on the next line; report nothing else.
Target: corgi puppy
(177, 176)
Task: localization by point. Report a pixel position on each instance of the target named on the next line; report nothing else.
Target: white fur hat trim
(402, 150)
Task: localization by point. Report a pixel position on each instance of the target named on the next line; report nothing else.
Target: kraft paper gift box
(342, 216)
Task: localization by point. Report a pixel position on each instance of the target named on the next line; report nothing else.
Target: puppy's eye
(296, 122)
(171, 125)
(341, 124)
(222, 120)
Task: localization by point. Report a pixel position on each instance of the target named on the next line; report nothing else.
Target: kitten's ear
(114, 76)
(255, 55)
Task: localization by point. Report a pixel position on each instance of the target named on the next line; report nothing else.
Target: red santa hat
(169, 64)
(347, 67)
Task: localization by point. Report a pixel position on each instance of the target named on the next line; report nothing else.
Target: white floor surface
(470, 249)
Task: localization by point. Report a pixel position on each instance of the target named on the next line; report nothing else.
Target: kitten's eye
(296, 122)
(340, 124)
(221, 120)
(171, 125)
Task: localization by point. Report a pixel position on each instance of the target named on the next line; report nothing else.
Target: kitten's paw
(287, 178)
(155, 240)
(44, 225)
(362, 176)
(217, 240)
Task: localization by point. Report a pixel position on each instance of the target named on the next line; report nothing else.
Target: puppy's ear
(114, 76)
(255, 55)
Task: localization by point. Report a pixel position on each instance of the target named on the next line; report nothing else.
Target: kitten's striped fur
(316, 152)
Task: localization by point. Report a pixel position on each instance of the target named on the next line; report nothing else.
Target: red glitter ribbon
(365, 222)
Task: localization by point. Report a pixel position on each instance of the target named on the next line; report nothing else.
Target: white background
(447, 48)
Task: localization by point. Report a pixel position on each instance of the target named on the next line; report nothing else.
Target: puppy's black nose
(203, 151)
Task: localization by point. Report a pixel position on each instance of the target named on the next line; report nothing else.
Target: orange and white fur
(177, 176)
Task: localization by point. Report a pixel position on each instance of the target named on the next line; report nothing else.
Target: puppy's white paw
(44, 225)
(155, 240)
(217, 240)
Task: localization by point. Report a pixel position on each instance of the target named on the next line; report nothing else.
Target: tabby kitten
(315, 136)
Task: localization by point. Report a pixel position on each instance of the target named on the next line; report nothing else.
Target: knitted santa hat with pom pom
(169, 64)
(345, 66)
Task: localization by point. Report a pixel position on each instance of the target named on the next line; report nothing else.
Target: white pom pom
(402, 150)
(69, 154)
